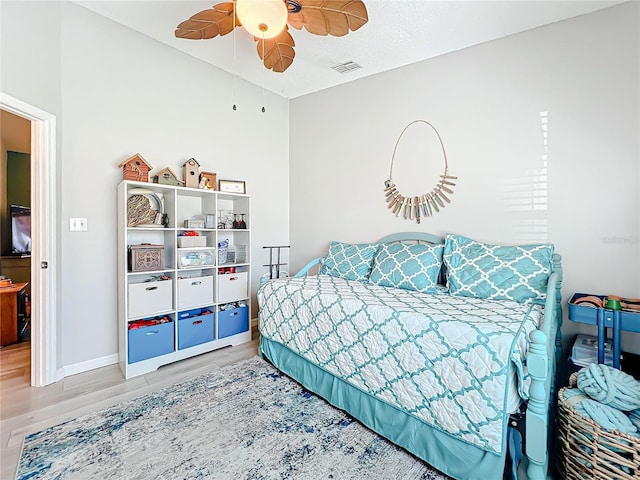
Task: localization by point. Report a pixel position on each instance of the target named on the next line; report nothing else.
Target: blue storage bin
(151, 341)
(195, 327)
(232, 322)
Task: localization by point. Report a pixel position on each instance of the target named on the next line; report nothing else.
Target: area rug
(246, 421)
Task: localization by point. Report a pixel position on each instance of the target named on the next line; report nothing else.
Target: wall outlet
(78, 224)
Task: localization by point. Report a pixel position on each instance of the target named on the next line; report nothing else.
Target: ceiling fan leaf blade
(332, 17)
(198, 30)
(209, 23)
(337, 23)
(295, 20)
(278, 51)
(315, 21)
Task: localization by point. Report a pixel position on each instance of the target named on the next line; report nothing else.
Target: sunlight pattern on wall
(530, 198)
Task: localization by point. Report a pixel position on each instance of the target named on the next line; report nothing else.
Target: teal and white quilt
(456, 363)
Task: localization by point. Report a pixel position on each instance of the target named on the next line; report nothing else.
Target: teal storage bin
(151, 341)
(233, 321)
(195, 327)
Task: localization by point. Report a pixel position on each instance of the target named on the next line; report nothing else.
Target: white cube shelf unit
(177, 301)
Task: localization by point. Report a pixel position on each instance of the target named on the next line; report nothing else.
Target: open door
(43, 211)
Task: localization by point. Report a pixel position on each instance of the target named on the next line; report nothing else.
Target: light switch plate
(78, 224)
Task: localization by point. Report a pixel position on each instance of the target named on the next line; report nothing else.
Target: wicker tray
(590, 451)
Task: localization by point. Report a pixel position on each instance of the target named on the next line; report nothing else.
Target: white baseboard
(58, 375)
(89, 365)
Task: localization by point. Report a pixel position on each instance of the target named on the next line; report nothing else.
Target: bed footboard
(537, 421)
(542, 358)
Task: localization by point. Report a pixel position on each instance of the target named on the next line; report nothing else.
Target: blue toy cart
(604, 318)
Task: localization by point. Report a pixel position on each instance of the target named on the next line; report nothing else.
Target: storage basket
(197, 241)
(241, 253)
(589, 451)
(232, 254)
(196, 258)
(227, 255)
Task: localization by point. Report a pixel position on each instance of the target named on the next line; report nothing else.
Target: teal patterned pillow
(479, 270)
(352, 262)
(412, 267)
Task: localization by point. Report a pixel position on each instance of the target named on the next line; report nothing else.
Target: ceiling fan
(269, 20)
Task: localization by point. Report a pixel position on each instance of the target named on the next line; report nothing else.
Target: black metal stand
(275, 267)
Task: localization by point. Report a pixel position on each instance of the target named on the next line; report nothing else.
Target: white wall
(120, 93)
(30, 71)
(486, 102)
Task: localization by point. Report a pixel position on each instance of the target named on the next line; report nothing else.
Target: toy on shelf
(148, 322)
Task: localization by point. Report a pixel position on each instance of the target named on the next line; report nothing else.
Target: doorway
(15, 248)
(43, 221)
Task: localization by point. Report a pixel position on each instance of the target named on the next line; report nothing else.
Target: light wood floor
(24, 409)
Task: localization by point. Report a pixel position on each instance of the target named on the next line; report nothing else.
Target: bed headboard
(412, 237)
(402, 237)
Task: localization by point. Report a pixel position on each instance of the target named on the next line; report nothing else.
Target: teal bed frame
(453, 457)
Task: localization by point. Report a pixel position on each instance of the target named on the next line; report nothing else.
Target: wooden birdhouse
(190, 173)
(208, 180)
(166, 176)
(135, 168)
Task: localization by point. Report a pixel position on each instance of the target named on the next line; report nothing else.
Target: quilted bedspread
(453, 362)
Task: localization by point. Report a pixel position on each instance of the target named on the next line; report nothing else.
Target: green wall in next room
(18, 190)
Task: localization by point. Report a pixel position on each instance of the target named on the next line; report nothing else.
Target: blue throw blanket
(610, 386)
(604, 394)
(634, 416)
(604, 415)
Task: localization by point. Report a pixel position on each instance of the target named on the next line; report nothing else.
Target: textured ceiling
(399, 32)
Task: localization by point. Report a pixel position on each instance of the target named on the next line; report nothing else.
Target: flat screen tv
(20, 230)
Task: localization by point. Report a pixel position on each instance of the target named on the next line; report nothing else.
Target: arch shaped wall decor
(416, 207)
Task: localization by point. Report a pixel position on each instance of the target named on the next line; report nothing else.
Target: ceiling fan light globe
(262, 18)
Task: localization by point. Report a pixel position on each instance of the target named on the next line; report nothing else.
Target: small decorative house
(190, 173)
(135, 168)
(208, 180)
(166, 176)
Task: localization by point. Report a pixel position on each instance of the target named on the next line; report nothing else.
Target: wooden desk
(9, 313)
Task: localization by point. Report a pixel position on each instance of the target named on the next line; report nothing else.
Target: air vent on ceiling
(346, 67)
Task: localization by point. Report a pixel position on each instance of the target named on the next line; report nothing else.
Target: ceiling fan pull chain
(263, 109)
(234, 56)
(413, 208)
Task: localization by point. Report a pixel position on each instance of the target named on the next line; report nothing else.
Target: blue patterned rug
(245, 421)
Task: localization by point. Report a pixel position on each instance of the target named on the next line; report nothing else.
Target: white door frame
(43, 235)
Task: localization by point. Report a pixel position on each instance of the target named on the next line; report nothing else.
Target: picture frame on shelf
(232, 186)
